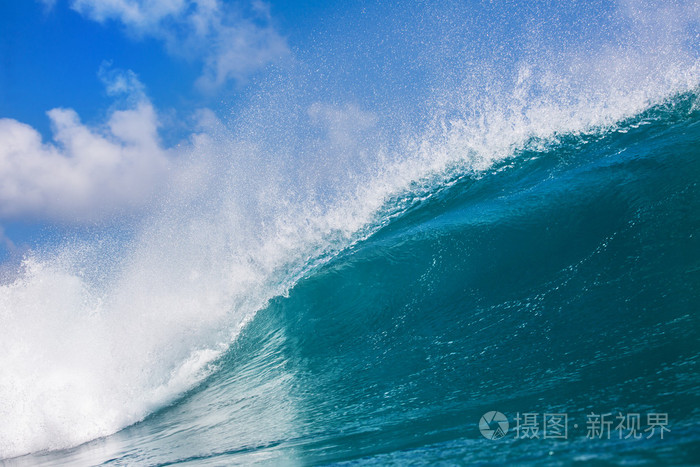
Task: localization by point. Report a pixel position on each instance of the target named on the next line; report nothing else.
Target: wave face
(561, 279)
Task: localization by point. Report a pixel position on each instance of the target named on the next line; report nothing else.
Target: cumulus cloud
(85, 173)
(231, 44)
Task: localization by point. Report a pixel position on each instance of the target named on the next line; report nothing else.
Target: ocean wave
(482, 216)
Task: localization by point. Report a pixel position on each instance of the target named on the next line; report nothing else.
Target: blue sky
(97, 95)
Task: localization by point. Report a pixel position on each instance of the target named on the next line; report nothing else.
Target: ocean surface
(562, 277)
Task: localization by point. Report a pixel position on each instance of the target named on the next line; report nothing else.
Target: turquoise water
(562, 279)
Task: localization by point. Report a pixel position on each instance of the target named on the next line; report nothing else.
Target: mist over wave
(97, 334)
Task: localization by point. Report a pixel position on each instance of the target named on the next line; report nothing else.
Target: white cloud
(118, 82)
(85, 173)
(231, 45)
(343, 125)
(240, 51)
(137, 14)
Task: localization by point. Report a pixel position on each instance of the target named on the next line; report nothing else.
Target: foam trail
(94, 337)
